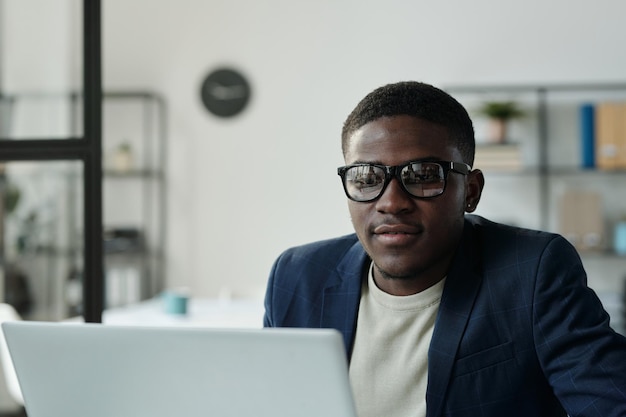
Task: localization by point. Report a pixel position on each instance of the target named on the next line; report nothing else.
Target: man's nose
(394, 199)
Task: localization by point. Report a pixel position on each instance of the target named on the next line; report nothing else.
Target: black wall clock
(225, 92)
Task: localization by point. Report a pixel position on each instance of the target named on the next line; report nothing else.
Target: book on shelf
(610, 135)
(587, 134)
(501, 156)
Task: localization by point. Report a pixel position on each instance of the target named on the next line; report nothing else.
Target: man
(443, 313)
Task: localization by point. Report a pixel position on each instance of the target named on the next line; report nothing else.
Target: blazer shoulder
(319, 264)
(497, 244)
(499, 232)
(303, 275)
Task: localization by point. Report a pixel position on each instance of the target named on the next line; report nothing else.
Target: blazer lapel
(342, 293)
(462, 285)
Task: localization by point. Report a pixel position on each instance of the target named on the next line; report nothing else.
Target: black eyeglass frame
(395, 170)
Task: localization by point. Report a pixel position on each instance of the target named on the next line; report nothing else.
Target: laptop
(95, 370)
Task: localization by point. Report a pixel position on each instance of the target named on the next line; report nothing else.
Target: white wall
(309, 62)
(39, 45)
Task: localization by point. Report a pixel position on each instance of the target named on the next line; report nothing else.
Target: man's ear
(475, 185)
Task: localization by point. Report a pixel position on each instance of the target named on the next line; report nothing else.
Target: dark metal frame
(87, 149)
(154, 109)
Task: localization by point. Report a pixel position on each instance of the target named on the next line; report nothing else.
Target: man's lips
(396, 234)
(396, 229)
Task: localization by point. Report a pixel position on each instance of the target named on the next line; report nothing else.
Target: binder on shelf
(498, 157)
(587, 135)
(610, 135)
(581, 220)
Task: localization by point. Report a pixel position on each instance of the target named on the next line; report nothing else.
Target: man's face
(411, 241)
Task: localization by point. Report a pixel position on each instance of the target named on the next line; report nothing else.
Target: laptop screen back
(77, 370)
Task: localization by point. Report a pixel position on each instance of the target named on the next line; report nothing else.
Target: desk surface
(236, 313)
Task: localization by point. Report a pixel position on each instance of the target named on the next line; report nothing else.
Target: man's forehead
(400, 138)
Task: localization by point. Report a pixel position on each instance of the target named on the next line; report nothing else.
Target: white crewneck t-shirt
(389, 363)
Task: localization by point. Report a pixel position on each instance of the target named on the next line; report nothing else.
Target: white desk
(201, 312)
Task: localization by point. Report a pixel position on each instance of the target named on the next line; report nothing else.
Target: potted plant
(123, 157)
(499, 114)
(12, 196)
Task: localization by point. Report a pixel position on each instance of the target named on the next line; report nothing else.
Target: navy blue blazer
(518, 331)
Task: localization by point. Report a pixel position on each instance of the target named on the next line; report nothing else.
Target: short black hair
(419, 100)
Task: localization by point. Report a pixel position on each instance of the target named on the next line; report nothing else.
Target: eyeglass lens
(420, 179)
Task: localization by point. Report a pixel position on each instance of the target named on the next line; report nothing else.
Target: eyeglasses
(420, 179)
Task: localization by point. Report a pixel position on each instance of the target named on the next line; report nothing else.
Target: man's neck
(405, 286)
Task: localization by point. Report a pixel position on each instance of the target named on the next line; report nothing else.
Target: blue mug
(175, 302)
(619, 240)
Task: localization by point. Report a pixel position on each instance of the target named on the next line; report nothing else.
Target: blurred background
(197, 200)
(221, 124)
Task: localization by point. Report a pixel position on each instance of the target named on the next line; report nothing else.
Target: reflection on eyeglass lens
(364, 177)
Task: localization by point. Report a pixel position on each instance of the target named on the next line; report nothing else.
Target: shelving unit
(134, 203)
(134, 195)
(549, 133)
(549, 138)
